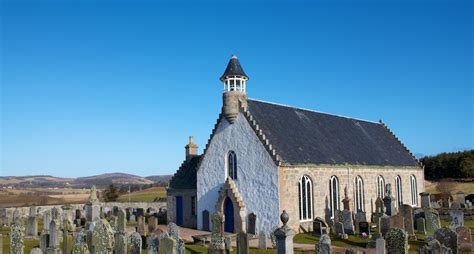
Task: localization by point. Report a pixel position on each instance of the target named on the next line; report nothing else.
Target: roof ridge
(312, 110)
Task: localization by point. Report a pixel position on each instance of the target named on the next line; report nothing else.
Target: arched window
(232, 165)
(380, 186)
(398, 184)
(334, 194)
(305, 195)
(413, 191)
(359, 194)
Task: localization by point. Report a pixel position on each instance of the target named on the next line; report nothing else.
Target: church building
(263, 158)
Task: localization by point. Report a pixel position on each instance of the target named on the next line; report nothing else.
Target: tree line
(455, 165)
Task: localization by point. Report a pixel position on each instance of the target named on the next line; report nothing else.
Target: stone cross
(17, 233)
(324, 245)
(217, 238)
(136, 243)
(284, 236)
(173, 231)
(397, 241)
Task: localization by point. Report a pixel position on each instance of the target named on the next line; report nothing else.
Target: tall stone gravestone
(103, 237)
(347, 222)
(324, 245)
(80, 246)
(167, 244)
(46, 220)
(320, 227)
(397, 221)
(252, 224)
(407, 213)
(53, 247)
(152, 223)
(153, 244)
(92, 206)
(136, 243)
(380, 246)
(242, 243)
(457, 219)
(384, 225)
(448, 238)
(284, 236)
(4, 217)
(425, 200)
(262, 240)
(120, 246)
(217, 245)
(389, 201)
(421, 226)
(32, 225)
(17, 233)
(16, 216)
(173, 231)
(432, 221)
(397, 241)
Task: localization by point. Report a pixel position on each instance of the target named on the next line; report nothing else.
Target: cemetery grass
(147, 195)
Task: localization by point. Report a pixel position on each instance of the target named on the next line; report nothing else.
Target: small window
(380, 186)
(359, 194)
(232, 165)
(398, 183)
(193, 205)
(334, 194)
(413, 190)
(305, 198)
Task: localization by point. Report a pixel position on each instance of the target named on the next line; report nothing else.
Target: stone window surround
(334, 187)
(398, 189)
(413, 191)
(380, 186)
(359, 194)
(231, 165)
(308, 201)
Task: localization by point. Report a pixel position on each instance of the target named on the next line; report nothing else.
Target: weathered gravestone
(4, 217)
(320, 227)
(228, 245)
(359, 217)
(407, 213)
(425, 200)
(324, 245)
(448, 238)
(242, 243)
(457, 219)
(153, 244)
(167, 244)
(252, 227)
(347, 222)
(16, 216)
(433, 246)
(397, 241)
(80, 246)
(284, 236)
(397, 221)
(420, 226)
(464, 239)
(173, 231)
(36, 251)
(384, 224)
(262, 240)
(432, 221)
(120, 246)
(217, 245)
(152, 224)
(1, 243)
(339, 228)
(53, 238)
(389, 201)
(205, 220)
(17, 233)
(364, 228)
(136, 243)
(103, 237)
(380, 246)
(46, 220)
(142, 227)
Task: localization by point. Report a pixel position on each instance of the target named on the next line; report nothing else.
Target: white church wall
(257, 175)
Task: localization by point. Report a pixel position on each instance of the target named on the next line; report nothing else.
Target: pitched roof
(302, 136)
(233, 69)
(185, 177)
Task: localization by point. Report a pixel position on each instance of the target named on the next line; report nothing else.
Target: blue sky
(89, 87)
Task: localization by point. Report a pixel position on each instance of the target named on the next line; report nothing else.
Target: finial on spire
(234, 56)
(191, 140)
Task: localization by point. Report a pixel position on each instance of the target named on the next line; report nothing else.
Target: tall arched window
(334, 194)
(305, 195)
(232, 165)
(380, 186)
(398, 184)
(413, 191)
(359, 194)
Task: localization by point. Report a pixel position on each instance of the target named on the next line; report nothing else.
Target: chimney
(191, 149)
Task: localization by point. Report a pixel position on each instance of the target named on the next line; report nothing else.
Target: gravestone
(252, 227)
(36, 251)
(55, 213)
(380, 246)
(262, 240)
(346, 201)
(53, 235)
(153, 244)
(228, 245)
(284, 236)
(347, 222)
(359, 217)
(141, 226)
(80, 246)
(425, 200)
(397, 221)
(432, 221)
(242, 243)
(464, 239)
(136, 243)
(205, 220)
(217, 237)
(420, 226)
(448, 238)
(167, 244)
(1, 243)
(16, 216)
(17, 233)
(173, 231)
(433, 246)
(396, 241)
(389, 203)
(4, 220)
(152, 224)
(407, 213)
(418, 213)
(121, 221)
(46, 220)
(102, 237)
(324, 245)
(92, 212)
(320, 227)
(384, 223)
(339, 227)
(457, 219)
(364, 228)
(32, 226)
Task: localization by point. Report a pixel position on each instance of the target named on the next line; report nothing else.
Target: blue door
(179, 210)
(229, 216)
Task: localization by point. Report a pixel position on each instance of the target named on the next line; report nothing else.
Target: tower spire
(235, 86)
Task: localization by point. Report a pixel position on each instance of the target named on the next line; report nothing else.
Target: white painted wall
(257, 175)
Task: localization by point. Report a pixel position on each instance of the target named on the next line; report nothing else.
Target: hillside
(100, 181)
(458, 165)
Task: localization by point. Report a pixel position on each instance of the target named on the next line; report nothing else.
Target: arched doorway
(229, 216)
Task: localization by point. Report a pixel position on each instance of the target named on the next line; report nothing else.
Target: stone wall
(320, 175)
(257, 177)
(189, 219)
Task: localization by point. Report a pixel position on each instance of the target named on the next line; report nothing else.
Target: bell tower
(235, 86)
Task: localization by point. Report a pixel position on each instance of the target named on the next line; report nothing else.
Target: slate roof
(233, 69)
(302, 136)
(185, 177)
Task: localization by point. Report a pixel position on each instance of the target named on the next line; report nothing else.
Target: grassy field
(147, 195)
(467, 188)
(41, 196)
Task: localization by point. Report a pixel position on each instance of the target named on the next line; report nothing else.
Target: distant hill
(101, 181)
